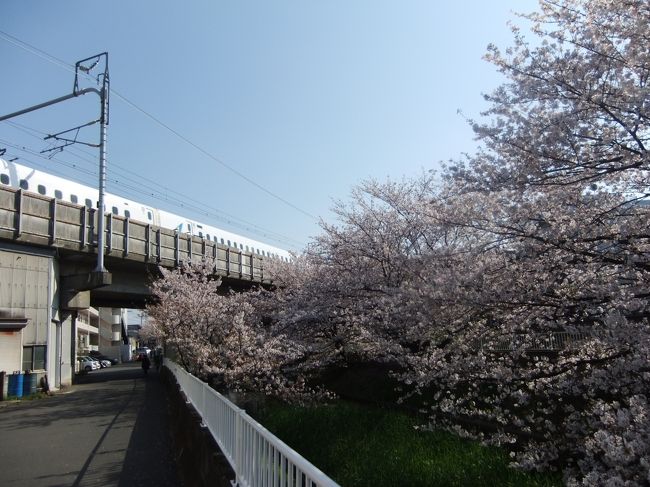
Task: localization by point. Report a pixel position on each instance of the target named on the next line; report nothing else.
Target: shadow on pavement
(149, 458)
(110, 428)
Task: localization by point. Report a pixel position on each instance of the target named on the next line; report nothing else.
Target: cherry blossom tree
(512, 292)
(558, 188)
(221, 336)
(517, 291)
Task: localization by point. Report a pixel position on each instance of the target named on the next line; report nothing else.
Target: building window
(228, 243)
(207, 236)
(89, 204)
(222, 242)
(74, 199)
(41, 189)
(24, 184)
(58, 194)
(114, 210)
(149, 216)
(4, 179)
(127, 213)
(34, 357)
(234, 244)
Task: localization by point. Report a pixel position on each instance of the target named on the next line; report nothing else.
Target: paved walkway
(108, 430)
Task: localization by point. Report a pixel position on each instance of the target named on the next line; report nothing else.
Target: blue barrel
(15, 388)
(29, 384)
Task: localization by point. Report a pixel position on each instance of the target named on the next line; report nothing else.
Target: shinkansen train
(29, 179)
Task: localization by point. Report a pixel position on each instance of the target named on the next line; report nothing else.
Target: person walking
(146, 363)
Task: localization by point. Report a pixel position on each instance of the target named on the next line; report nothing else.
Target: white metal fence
(551, 342)
(258, 458)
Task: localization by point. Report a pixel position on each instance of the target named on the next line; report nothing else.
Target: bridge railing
(258, 458)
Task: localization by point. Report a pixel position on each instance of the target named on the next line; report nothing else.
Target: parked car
(96, 364)
(100, 356)
(105, 363)
(87, 363)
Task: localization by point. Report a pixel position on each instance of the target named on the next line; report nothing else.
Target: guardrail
(258, 457)
(550, 342)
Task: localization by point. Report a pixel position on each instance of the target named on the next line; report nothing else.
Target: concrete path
(108, 430)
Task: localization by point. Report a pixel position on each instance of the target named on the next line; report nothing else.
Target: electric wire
(44, 55)
(136, 190)
(161, 193)
(177, 202)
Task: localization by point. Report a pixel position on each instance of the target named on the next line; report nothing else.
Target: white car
(87, 364)
(94, 364)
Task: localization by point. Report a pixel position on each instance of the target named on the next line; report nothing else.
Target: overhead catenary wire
(44, 55)
(159, 192)
(133, 191)
(64, 65)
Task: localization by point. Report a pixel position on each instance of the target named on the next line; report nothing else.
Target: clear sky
(305, 98)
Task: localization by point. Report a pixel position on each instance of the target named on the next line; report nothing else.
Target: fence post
(238, 447)
(203, 411)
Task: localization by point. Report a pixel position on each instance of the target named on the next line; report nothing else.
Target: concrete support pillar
(116, 326)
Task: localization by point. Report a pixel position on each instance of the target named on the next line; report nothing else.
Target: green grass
(364, 446)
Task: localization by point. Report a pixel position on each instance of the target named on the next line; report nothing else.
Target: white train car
(29, 179)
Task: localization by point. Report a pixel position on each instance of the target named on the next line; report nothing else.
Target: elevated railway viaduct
(48, 250)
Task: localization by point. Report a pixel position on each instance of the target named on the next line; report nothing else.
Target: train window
(24, 184)
(41, 189)
(127, 213)
(149, 216)
(4, 179)
(58, 194)
(114, 210)
(89, 204)
(74, 199)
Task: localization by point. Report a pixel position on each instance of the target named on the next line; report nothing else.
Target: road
(110, 429)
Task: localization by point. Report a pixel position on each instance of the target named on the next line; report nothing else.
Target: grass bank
(366, 446)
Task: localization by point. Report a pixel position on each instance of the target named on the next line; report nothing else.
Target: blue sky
(304, 98)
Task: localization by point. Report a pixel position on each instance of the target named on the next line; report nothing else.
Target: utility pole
(84, 68)
(103, 124)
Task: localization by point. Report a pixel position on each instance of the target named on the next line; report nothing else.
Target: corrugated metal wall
(24, 292)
